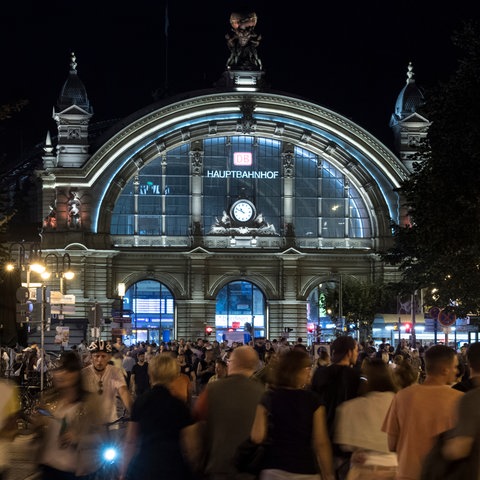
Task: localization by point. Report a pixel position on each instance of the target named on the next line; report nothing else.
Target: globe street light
(25, 262)
(63, 273)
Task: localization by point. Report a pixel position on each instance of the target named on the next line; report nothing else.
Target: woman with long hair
(70, 429)
(293, 421)
(358, 425)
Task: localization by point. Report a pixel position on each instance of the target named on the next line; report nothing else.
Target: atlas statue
(243, 42)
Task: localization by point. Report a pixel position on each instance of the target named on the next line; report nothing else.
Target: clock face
(242, 211)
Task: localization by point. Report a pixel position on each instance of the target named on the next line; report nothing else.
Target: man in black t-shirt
(139, 381)
(335, 384)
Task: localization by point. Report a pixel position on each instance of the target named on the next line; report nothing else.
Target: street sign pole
(414, 307)
(42, 335)
(434, 312)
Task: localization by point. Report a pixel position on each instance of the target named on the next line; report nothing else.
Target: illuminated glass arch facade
(156, 193)
(157, 201)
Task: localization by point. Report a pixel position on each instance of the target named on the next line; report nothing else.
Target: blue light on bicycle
(110, 454)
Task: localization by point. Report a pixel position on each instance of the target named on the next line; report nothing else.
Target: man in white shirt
(106, 381)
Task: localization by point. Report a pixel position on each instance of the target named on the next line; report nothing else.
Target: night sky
(350, 57)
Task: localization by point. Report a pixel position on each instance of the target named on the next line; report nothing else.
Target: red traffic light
(208, 330)
(408, 327)
(310, 327)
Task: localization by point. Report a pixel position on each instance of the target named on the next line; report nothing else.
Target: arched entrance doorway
(240, 312)
(152, 309)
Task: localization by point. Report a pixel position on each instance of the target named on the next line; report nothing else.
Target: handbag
(250, 456)
(195, 444)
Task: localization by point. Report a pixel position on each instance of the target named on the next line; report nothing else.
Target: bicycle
(29, 398)
(111, 449)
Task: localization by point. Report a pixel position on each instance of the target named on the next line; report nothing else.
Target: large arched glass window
(240, 305)
(325, 204)
(152, 308)
(157, 201)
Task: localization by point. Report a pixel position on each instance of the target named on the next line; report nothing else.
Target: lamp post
(62, 272)
(31, 261)
(27, 262)
(24, 261)
(65, 273)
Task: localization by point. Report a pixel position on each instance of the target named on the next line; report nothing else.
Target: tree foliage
(7, 110)
(440, 250)
(361, 301)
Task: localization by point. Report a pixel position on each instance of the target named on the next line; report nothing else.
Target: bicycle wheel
(108, 471)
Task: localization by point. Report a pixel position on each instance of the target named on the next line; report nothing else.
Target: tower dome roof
(73, 91)
(410, 97)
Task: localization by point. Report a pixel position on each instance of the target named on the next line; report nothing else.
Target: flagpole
(167, 24)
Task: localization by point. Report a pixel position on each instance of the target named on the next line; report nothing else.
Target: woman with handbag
(294, 421)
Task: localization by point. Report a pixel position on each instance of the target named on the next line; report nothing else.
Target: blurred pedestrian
(473, 379)
(127, 363)
(9, 413)
(70, 422)
(411, 423)
(228, 408)
(359, 421)
(338, 382)
(154, 445)
(293, 421)
(221, 370)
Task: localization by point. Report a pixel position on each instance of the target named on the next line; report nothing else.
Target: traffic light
(208, 330)
(408, 327)
(310, 327)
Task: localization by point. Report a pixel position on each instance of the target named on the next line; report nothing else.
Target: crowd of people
(340, 411)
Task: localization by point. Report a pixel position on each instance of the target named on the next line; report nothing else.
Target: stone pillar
(196, 312)
(286, 315)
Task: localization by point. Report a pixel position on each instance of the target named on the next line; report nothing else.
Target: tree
(439, 251)
(9, 282)
(361, 301)
(7, 110)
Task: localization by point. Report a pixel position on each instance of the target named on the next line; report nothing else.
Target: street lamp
(33, 262)
(65, 273)
(25, 262)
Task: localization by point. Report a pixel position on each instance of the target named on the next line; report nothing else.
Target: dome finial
(410, 73)
(48, 148)
(73, 63)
